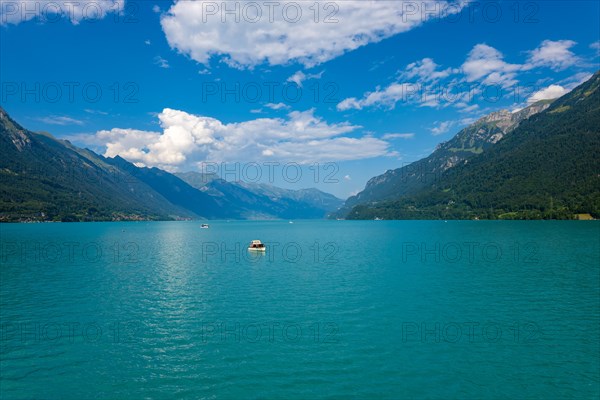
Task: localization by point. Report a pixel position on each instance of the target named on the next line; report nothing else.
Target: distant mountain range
(46, 179)
(262, 201)
(540, 162)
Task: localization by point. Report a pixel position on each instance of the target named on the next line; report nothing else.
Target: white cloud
(349, 104)
(15, 12)
(425, 70)
(436, 87)
(442, 127)
(436, 95)
(554, 54)
(161, 62)
(466, 121)
(548, 93)
(147, 42)
(388, 136)
(92, 111)
(204, 71)
(486, 64)
(271, 34)
(466, 108)
(300, 77)
(60, 120)
(187, 139)
(329, 150)
(387, 97)
(156, 8)
(277, 106)
(426, 84)
(347, 177)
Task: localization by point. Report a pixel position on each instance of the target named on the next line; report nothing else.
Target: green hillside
(466, 144)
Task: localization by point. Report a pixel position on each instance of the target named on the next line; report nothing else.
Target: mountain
(547, 167)
(196, 179)
(46, 179)
(174, 189)
(313, 197)
(469, 142)
(262, 201)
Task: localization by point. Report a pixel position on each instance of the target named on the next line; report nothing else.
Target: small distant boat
(256, 245)
(204, 226)
(291, 222)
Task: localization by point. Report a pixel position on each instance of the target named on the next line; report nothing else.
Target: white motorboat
(257, 245)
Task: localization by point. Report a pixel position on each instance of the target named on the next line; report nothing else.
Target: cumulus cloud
(554, 54)
(486, 64)
(15, 12)
(285, 32)
(297, 78)
(186, 138)
(425, 70)
(277, 106)
(300, 77)
(548, 93)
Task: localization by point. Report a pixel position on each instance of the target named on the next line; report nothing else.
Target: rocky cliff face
(15, 134)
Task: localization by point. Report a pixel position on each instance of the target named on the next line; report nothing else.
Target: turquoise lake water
(333, 309)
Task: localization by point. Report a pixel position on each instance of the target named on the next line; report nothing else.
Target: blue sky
(345, 94)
